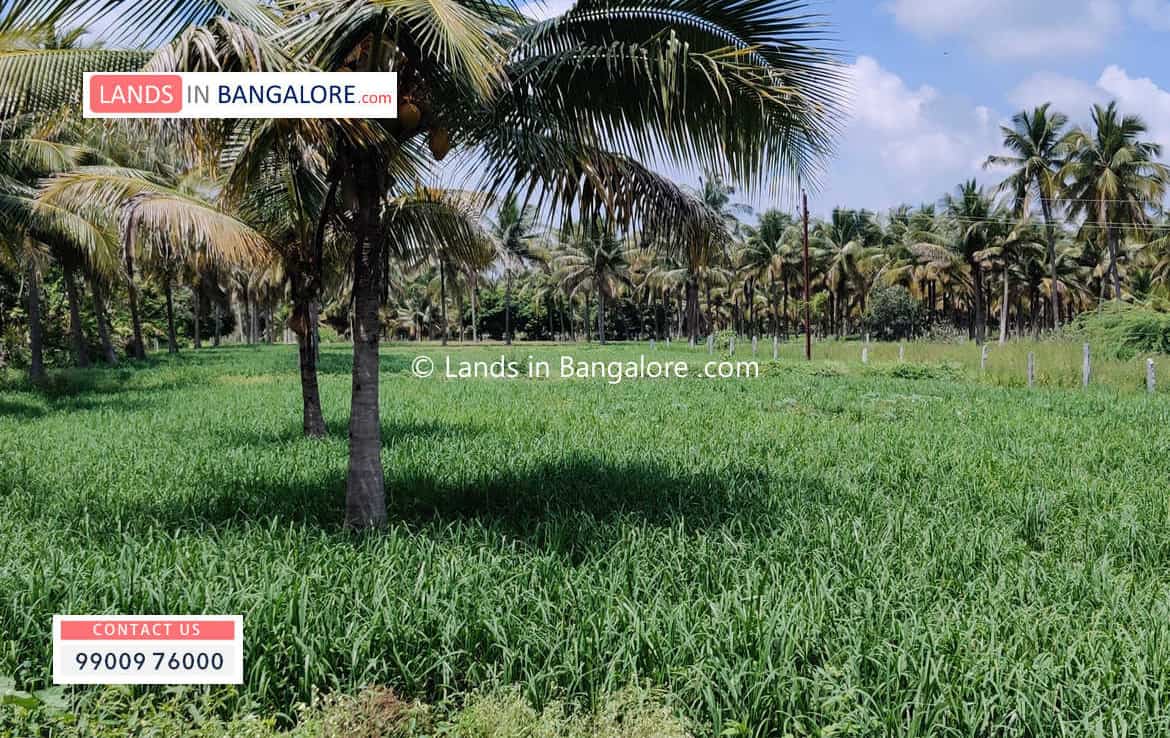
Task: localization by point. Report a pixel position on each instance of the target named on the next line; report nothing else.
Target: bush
(893, 314)
(1124, 331)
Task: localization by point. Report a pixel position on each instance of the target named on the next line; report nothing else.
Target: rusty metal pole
(807, 306)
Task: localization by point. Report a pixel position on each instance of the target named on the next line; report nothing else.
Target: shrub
(892, 314)
(942, 370)
(723, 340)
(1124, 331)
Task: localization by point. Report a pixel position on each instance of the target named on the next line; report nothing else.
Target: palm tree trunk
(1113, 272)
(172, 340)
(787, 325)
(443, 300)
(459, 311)
(302, 323)
(365, 490)
(588, 330)
(600, 316)
(692, 308)
(253, 320)
(36, 365)
(561, 315)
(1003, 310)
(215, 312)
(103, 325)
(139, 348)
(196, 312)
(1050, 233)
(237, 308)
(475, 308)
(552, 330)
(710, 308)
(980, 316)
(76, 334)
(1036, 310)
(313, 421)
(508, 308)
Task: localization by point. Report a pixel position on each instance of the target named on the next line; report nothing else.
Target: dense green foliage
(883, 555)
(1125, 331)
(892, 314)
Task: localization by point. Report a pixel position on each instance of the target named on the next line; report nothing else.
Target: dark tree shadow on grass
(573, 507)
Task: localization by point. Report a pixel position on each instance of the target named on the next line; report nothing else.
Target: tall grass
(853, 554)
(1058, 362)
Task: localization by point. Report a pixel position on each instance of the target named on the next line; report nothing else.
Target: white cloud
(905, 143)
(1142, 96)
(1010, 29)
(883, 101)
(1134, 95)
(1154, 12)
(1066, 94)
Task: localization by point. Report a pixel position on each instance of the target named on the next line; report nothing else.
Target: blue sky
(934, 80)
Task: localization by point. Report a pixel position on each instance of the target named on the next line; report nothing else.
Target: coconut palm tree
(516, 237)
(846, 242)
(1035, 140)
(773, 255)
(1114, 180)
(36, 147)
(594, 260)
(1010, 248)
(974, 220)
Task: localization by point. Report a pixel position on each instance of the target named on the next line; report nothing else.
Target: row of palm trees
(555, 114)
(1078, 219)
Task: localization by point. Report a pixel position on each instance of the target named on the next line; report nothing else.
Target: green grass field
(825, 550)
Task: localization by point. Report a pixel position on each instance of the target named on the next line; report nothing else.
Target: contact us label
(148, 649)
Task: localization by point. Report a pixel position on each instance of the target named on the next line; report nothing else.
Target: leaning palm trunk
(365, 494)
(103, 325)
(36, 365)
(76, 334)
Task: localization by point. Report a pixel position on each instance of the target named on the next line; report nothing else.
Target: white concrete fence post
(755, 345)
(1086, 367)
(1150, 384)
(865, 355)
(710, 344)
(775, 348)
(901, 352)
(983, 358)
